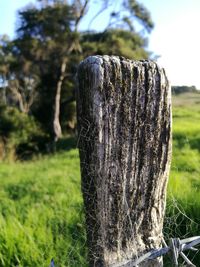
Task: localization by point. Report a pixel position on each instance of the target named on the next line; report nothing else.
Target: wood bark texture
(124, 126)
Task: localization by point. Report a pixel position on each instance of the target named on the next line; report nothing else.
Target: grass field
(41, 212)
(41, 206)
(183, 205)
(184, 184)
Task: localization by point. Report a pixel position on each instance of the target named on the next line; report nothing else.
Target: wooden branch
(56, 120)
(124, 126)
(14, 88)
(81, 14)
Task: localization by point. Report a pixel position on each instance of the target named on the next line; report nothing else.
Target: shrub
(20, 134)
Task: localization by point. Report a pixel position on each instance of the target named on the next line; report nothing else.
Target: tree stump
(124, 139)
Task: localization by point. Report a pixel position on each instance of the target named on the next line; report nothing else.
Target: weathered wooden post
(124, 125)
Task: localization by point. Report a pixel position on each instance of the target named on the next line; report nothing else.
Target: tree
(53, 42)
(18, 77)
(125, 16)
(46, 52)
(4, 66)
(115, 42)
(184, 89)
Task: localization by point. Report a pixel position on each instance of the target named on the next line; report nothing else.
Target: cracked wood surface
(124, 139)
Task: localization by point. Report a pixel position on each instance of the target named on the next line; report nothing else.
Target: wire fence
(176, 248)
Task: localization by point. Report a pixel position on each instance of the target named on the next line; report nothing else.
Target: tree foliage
(115, 42)
(38, 67)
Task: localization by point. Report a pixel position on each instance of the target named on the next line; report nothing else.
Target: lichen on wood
(124, 139)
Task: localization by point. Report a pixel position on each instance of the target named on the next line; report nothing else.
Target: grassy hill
(41, 206)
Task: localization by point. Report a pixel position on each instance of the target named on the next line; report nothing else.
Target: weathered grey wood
(124, 126)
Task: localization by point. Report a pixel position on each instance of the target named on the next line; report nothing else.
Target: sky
(175, 37)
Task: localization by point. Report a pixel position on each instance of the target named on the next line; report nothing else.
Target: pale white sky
(176, 36)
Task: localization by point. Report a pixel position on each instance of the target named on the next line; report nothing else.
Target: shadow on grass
(195, 143)
(66, 144)
(181, 140)
(26, 153)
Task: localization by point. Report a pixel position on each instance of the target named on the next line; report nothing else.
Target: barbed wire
(176, 247)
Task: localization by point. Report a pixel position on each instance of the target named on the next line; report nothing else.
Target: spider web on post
(123, 137)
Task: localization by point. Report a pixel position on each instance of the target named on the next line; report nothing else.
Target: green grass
(41, 210)
(184, 183)
(183, 205)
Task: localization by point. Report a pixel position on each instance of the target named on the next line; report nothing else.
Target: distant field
(185, 169)
(183, 208)
(41, 213)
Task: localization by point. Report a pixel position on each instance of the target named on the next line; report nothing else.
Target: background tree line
(38, 67)
(184, 89)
